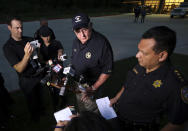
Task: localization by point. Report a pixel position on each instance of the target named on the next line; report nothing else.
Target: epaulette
(178, 75)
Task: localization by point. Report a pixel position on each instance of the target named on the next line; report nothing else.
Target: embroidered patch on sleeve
(184, 94)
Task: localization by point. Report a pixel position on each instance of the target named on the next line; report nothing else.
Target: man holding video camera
(18, 52)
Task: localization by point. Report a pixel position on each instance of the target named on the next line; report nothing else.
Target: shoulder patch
(184, 94)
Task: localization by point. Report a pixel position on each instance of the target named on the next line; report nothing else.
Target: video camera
(34, 58)
(35, 44)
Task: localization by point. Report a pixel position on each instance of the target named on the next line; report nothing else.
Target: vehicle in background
(178, 12)
(181, 11)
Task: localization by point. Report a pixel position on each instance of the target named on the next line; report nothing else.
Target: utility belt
(139, 126)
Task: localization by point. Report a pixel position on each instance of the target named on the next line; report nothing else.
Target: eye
(77, 31)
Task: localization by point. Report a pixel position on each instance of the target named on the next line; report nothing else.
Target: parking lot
(121, 31)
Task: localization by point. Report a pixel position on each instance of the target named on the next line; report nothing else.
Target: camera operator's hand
(28, 49)
(20, 66)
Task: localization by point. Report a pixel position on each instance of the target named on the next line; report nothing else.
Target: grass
(113, 85)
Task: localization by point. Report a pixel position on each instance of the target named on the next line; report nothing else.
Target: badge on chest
(88, 55)
(157, 83)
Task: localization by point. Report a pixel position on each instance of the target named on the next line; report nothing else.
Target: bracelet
(59, 126)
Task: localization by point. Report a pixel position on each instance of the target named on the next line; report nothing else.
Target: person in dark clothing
(92, 55)
(5, 102)
(43, 22)
(18, 53)
(143, 14)
(51, 49)
(154, 86)
(136, 13)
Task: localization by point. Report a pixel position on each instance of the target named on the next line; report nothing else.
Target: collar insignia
(157, 83)
(75, 50)
(134, 69)
(88, 55)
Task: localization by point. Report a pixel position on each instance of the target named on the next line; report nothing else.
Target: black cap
(45, 31)
(80, 21)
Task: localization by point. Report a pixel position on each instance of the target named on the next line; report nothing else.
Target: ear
(163, 56)
(9, 27)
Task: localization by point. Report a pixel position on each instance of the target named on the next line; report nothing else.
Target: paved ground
(120, 30)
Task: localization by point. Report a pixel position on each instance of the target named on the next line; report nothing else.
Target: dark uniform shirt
(51, 51)
(147, 95)
(92, 58)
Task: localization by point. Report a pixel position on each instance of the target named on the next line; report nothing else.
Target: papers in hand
(63, 114)
(104, 107)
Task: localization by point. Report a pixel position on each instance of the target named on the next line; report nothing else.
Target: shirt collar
(161, 70)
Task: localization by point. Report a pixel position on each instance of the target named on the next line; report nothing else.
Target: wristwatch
(92, 87)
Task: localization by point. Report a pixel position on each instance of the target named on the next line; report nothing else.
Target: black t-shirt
(147, 95)
(14, 52)
(92, 58)
(51, 51)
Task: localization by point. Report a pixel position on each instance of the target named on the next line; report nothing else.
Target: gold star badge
(157, 83)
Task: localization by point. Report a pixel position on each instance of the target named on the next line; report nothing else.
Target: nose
(20, 29)
(82, 33)
(138, 54)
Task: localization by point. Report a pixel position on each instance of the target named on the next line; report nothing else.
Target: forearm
(20, 67)
(102, 78)
(172, 127)
(119, 93)
(58, 129)
(116, 98)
